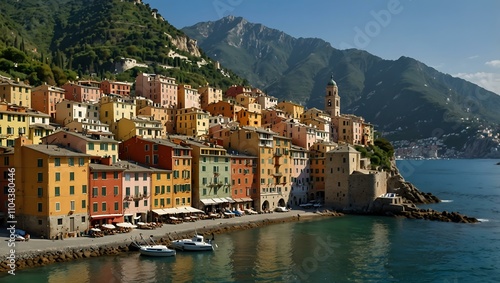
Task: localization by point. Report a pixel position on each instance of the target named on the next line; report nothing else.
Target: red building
(120, 88)
(242, 179)
(105, 195)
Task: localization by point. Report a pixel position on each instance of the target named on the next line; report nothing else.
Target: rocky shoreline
(41, 258)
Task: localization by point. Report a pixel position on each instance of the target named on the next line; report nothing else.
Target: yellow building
(317, 155)
(292, 110)
(142, 126)
(114, 108)
(15, 92)
(165, 115)
(51, 189)
(16, 121)
(162, 193)
(224, 108)
(249, 118)
(192, 122)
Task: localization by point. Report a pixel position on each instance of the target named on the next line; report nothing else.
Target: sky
(457, 37)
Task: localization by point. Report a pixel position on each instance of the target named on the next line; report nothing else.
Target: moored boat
(153, 249)
(197, 243)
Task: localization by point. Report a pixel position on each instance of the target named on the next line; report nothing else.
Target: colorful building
(209, 95)
(136, 191)
(249, 118)
(243, 171)
(114, 87)
(143, 126)
(160, 89)
(192, 122)
(301, 184)
(113, 108)
(51, 189)
(165, 115)
(15, 92)
(93, 144)
(82, 91)
(44, 98)
(224, 108)
(187, 97)
(317, 166)
(292, 110)
(69, 111)
(106, 194)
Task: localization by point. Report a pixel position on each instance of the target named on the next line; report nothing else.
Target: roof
(332, 82)
(102, 167)
(166, 142)
(345, 149)
(56, 150)
(131, 166)
(84, 137)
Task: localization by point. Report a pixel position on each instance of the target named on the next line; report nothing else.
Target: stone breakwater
(444, 216)
(41, 258)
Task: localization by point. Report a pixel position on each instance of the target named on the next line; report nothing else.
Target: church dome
(332, 82)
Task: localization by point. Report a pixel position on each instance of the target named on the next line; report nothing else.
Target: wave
(483, 220)
(446, 200)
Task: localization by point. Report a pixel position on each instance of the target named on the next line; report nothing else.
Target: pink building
(300, 175)
(160, 89)
(81, 92)
(136, 191)
(301, 135)
(187, 97)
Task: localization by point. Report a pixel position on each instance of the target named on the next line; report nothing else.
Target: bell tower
(332, 99)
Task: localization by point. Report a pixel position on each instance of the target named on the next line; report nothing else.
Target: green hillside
(64, 39)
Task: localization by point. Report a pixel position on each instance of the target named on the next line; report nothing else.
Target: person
(27, 237)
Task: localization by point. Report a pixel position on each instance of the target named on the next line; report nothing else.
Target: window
(57, 161)
(84, 189)
(115, 175)
(94, 207)
(58, 206)
(84, 205)
(91, 146)
(40, 192)
(144, 176)
(115, 190)
(72, 205)
(71, 190)
(103, 175)
(81, 161)
(116, 206)
(58, 176)
(71, 161)
(59, 221)
(95, 175)
(103, 206)
(57, 191)
(40, 162)
(94, 191)
(71, 176)
(103, 191)
(39, 207)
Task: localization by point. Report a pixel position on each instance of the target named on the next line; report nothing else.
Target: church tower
(332, 99)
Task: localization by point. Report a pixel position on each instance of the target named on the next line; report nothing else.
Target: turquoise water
(345, 249)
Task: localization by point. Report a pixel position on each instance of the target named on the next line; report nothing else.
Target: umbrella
(108, 226)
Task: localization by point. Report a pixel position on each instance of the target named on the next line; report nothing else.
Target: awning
(246, 199)
(185, 209)
(105, 216)
(207, 201)
(159, 211)
(128, 214)
(220, 200)
(230, 200)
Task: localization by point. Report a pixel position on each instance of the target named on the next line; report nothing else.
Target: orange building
(243, 169)
(119, 88)
(44, 98)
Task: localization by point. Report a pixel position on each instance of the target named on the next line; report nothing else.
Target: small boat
(153, 249)
(197, 243)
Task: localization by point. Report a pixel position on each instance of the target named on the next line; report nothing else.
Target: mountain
(404, 98)
(61, 39)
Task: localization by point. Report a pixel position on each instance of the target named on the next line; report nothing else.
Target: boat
(153, 249)
(197, 243)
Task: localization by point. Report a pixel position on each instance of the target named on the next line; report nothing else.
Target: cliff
(397, 184)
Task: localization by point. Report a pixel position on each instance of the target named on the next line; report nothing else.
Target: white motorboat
(156, 250)
(153, 249)
(197, 243)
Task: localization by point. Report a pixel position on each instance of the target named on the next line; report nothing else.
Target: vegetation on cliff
(58, 40)
(380, 153)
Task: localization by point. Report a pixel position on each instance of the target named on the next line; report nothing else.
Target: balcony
(277, 174)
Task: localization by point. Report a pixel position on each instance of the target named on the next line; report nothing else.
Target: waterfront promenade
(35, 245)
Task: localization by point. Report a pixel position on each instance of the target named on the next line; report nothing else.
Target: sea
(337, 249)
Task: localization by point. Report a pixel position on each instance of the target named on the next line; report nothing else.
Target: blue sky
(458, 37)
